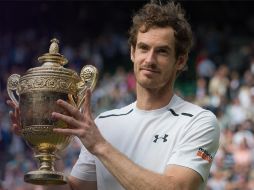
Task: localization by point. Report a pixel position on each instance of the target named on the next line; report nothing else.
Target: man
(158, 142)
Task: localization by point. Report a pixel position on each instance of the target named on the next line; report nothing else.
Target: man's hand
(81, 124)
(15, 118)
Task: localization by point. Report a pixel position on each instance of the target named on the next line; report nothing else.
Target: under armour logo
(157, 137)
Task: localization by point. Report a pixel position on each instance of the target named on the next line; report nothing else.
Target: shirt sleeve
(84, 168)
(198, 145)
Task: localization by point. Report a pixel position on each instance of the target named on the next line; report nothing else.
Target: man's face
(155, 64)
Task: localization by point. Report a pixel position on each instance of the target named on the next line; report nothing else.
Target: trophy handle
(12, 84)
(89, 77)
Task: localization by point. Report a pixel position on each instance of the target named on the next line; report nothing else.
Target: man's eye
(143, 48)
(162, 51)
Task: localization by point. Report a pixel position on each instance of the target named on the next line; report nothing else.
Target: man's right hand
(15, 117)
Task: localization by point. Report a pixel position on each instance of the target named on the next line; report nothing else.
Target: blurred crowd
(220, 78)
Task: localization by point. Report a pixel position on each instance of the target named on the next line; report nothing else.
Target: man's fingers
(16, 108)
(67, 119)
(12, 104)
(87, 103)
(71, 109)
(12, 116)
(16, 129)
(66, 131)
(14, 126)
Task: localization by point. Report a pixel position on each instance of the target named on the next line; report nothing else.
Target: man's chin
(147, 84)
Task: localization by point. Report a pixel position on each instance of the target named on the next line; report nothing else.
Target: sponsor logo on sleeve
(204, 154)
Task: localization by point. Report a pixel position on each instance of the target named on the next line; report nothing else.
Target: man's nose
(150, 57)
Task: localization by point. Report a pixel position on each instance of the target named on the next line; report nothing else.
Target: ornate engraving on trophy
(47, 83)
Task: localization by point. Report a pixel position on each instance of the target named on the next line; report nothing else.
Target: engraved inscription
(47, 83)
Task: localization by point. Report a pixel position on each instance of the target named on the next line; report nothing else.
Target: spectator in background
(5, 140)
(205, 66)
(219, 180)
(218, 86)
(202, 98)
(234, 84)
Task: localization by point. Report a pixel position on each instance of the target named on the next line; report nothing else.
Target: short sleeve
(84, 168)
(198, 145)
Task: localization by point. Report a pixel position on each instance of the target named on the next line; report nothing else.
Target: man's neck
(151, 99)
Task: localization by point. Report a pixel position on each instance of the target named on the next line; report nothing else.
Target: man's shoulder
(189, 108)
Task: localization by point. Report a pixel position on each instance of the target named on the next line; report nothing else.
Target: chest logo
(157, 137)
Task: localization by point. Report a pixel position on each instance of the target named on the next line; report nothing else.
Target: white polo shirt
(180, 133)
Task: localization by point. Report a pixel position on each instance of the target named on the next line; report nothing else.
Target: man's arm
(77, 184)
(134, 177)
(74, 184)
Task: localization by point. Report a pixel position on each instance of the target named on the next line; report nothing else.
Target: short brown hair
(157, 15)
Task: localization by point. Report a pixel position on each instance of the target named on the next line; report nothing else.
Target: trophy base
(41, 177)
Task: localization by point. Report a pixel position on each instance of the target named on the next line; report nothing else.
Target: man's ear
(132, 53)
(181, 62)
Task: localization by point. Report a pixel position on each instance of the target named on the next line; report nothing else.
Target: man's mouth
(149, 70)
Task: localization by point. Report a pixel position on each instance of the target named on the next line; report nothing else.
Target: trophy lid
(53, 56)
(51, 75)
(52, 63)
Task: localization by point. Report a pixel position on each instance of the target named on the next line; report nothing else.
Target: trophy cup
(36, 94)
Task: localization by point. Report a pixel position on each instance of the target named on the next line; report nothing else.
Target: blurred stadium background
(220, 75)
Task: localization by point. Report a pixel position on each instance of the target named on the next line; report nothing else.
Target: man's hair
(171, 15)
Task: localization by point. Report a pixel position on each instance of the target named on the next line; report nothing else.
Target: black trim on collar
(173, 112)
(104, 116)
(187, 114)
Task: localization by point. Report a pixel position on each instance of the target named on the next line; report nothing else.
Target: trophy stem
(46, 174)
(46, 161)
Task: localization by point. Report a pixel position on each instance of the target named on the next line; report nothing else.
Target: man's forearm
(130, 175)
(57, 187)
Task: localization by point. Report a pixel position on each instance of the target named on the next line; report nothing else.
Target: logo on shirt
(204, 155)
(164, 138)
